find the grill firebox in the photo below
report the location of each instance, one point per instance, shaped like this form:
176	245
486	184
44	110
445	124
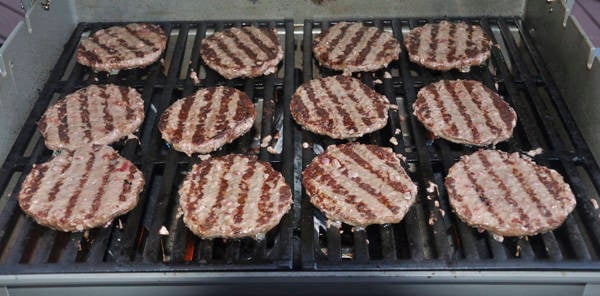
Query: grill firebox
429	238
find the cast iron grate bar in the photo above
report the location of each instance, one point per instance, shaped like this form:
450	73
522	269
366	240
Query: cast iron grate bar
132	242
444	241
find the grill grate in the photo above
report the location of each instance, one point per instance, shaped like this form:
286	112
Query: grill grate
132	242
429	238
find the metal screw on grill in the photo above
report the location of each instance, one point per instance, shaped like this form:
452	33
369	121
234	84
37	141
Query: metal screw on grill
45	4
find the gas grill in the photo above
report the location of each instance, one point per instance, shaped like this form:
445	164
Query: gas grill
430	246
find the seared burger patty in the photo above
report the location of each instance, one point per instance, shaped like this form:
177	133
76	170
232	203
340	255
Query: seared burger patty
447	46
359	185
233	196
508	195
242	52
339	106
97	114
122	47
79	190
465	111
354	47
207	120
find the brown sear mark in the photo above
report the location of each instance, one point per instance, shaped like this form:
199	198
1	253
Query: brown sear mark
63	127
318	172
488	120
446	117
85	116
264	210
347	120
462	109
434	42
129	112
182	119
334	41
112	166
346	84
244	189
211	219
451	56
523	217
199	132
223	47
481	193
269	51
83	179
197	188
241	45
503	108
35	185
365	51
56	188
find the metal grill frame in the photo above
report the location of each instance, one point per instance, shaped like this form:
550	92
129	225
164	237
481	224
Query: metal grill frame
426	247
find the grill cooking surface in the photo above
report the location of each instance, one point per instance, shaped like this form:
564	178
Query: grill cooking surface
430	237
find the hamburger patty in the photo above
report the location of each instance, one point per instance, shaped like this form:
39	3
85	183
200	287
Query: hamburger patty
207	120
97	114
447	46
79	190
339	107
242	52
233	196
508	195
122	47
354	47
465	111
359	185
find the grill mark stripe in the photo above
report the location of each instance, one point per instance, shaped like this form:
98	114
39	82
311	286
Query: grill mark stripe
95	40
210	54
182	117
347	84
63	127
271	35
127	184
249	172
240	45
197	188
99	196
90	55
415	41
108	118
366	187
265	212
85	116
322	114
480	192
139	37
199	132
123	43
479	103
390	165
451	56
351	45
338	51
363	163
462	110
334	41
211	219
129	112
507	193
33	188
525	185
339	106
446	117
348	198
226	51
362	54
551	184
434	42
82	181
470	50
505	113
387	46
223	112
56	188
269	51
